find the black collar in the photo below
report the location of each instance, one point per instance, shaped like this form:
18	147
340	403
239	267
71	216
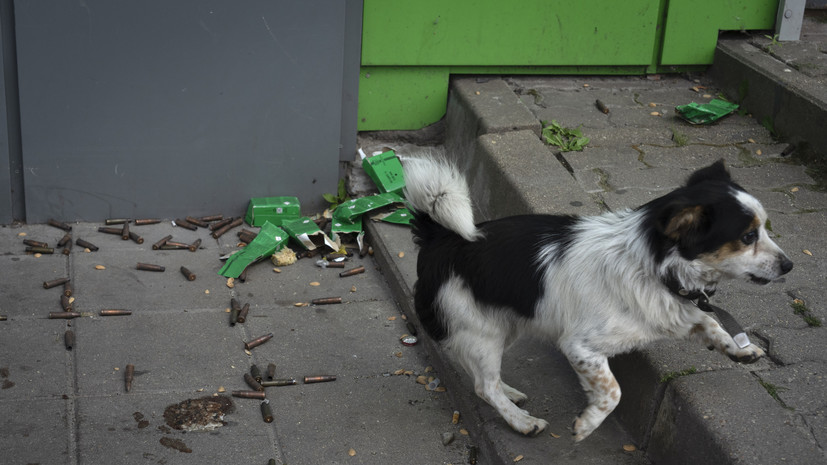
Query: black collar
678	289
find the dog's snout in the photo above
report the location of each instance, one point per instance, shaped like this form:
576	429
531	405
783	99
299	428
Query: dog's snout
786	265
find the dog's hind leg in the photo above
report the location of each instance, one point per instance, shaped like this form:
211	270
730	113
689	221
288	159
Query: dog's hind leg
481	354
600	385
513	394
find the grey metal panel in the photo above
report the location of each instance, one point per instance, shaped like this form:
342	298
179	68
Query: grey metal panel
5	171
158	108
350	81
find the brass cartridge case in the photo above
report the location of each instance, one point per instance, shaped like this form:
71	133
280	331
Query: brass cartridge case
319	379
196	222
246	237
125	231
67	248
149	267
353	271
220	224
256	373
41	250
111	221
68	289
163	241
280	382
250	394
243	276
235	308
106	230
211	218
115	312
242	314
86	245
66	303
146	221
258	341
128	376
271	371
601	106
254	385
69	339
59	225
326	301
266	411
185	224
54	283
220	232
136	238
188	274
194	246
35	243
63	315
172	245
66	239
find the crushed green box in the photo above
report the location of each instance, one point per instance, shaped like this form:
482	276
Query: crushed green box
386	171
276	210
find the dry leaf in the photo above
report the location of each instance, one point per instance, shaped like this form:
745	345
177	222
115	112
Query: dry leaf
758	152
429	369
654	113
37	255
206	291
399	372
71	300
100	267
391	318
421	379
409	372
277	270
707	96
351	452
353	289
463	431
585	85
751	140
87	250
807	252
226	310
221	389
199	390
117	368
798	302
653	104
315	283
794	189
477	93
230	282
398	354
440	389
629	447
400	254
518	458
21	234
247	352
555	436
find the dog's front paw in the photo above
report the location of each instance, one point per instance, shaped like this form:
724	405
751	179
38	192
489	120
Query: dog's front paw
528	425
749	354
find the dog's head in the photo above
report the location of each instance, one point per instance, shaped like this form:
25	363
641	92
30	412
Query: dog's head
715	221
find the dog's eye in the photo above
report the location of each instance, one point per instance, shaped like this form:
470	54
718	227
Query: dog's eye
750	237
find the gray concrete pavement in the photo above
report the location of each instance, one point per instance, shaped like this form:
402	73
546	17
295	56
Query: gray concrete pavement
63	406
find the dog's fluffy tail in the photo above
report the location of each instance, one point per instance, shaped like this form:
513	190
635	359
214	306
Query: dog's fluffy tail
437	189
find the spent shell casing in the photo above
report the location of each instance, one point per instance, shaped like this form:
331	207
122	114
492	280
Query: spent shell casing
69	339
271	462
111	221
258	341
280	382
40	250
271	371
67	248
211	218
3	318
319	379
601	106
128	376
266	411
243	276
146	221
194	246
54	283
220	224
59	225
353	271
135	237
149	267
125	231
250	394
63	315
163	241
107	230
35	243
242	314
334	265
196	221
66	239
113	312
86	245
254	385
172	245
472	455
185	224
188	274
326	301
235	307
68	289
455	417
255	372
220	232
66	303
246	237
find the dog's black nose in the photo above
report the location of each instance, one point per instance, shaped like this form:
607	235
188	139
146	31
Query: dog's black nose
786	265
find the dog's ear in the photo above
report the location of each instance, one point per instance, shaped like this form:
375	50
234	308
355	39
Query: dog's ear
686	225
714	172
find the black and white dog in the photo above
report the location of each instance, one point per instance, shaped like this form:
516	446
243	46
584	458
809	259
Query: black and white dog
596	286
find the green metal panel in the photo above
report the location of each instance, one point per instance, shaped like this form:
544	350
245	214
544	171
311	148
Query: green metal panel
692	26
401	97
495	32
